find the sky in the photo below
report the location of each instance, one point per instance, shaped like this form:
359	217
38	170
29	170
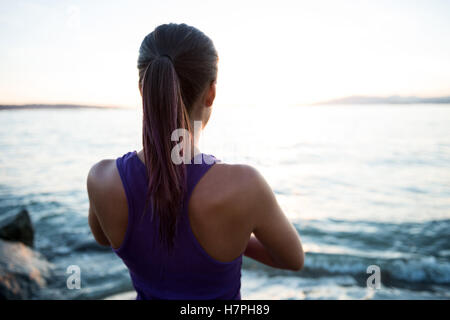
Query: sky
289	52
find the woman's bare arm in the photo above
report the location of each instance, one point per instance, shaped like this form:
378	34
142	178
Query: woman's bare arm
258	252
96	229
275	241
93	184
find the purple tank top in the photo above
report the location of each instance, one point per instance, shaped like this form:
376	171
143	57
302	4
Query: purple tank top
189	272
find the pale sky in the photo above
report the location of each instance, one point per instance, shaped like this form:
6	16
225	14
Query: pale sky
290	52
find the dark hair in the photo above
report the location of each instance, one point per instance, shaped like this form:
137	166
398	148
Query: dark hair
176	63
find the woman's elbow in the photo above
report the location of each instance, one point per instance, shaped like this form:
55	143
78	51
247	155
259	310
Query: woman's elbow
298	266
299	263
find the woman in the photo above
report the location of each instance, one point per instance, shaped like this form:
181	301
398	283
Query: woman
182	229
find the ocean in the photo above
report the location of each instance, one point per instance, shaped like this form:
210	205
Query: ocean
363	185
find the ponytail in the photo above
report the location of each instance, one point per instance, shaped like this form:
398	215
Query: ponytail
163	112
176	63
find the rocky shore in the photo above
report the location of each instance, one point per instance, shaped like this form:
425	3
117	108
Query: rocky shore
23	270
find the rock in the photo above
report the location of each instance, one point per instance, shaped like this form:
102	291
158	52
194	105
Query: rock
17	228
23	271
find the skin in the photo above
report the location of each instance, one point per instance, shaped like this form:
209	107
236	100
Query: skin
242	216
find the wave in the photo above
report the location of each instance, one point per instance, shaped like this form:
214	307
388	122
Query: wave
428	238
409	254
423	270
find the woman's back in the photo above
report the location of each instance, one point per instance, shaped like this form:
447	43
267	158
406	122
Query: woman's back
225	204
185	272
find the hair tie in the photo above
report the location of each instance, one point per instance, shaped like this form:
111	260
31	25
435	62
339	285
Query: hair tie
166	55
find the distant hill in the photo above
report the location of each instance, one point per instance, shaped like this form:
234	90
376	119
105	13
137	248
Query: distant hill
386	100
51	106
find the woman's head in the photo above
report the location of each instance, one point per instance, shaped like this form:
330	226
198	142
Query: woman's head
177	73
193	57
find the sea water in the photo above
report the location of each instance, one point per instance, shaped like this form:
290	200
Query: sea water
363	185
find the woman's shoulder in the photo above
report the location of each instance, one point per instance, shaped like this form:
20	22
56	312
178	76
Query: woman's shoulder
231	188
102	172
103	180
240	178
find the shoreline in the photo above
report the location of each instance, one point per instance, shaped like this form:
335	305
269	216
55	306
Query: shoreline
127	295
54	106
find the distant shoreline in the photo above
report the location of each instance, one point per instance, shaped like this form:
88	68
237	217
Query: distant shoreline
54	106
398	100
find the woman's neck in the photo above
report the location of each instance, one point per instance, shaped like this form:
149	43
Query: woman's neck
194	148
